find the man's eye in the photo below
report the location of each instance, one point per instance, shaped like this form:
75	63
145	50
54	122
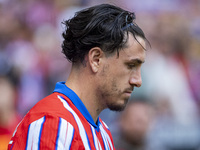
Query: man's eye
131	66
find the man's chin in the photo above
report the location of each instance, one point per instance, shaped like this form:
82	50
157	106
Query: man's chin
118	107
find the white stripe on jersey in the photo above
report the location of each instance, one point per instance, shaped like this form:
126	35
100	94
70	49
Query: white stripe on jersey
105	125
106	138
66	133
34	134
96	140
78	121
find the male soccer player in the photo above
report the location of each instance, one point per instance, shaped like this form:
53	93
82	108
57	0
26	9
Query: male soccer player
106	49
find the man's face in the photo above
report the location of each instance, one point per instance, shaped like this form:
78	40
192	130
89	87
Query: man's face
119	75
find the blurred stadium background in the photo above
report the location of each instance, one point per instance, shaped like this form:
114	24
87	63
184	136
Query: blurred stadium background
31	63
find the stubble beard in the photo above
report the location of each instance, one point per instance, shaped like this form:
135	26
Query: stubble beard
108	94
117	107
111	101
117	93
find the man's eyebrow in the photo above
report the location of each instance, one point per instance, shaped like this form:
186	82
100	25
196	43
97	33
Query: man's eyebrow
139	61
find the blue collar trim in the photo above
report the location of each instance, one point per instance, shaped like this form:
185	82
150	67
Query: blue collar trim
63	89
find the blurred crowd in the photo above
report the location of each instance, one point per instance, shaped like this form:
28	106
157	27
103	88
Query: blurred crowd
162	115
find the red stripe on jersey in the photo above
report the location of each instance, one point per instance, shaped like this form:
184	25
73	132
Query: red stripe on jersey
49	132
100	139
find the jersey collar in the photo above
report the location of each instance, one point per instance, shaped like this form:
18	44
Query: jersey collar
63	89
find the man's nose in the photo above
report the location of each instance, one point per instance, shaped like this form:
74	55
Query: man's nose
136	79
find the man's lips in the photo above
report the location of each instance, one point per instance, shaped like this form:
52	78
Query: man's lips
128	91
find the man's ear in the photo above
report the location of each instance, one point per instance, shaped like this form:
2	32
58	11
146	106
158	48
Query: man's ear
95	56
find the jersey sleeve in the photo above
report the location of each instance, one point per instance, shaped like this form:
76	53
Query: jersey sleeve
47	132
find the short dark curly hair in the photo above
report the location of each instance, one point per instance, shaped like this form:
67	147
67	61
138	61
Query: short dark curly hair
101	26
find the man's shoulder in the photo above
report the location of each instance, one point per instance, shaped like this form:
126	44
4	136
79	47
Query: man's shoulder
48	104
51	106
49	110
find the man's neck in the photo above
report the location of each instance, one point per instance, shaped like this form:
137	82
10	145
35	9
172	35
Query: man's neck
82	86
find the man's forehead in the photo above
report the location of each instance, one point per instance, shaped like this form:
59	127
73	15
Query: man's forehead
135	46
137	40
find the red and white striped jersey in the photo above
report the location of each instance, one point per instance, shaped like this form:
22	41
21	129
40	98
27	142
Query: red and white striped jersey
61	122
